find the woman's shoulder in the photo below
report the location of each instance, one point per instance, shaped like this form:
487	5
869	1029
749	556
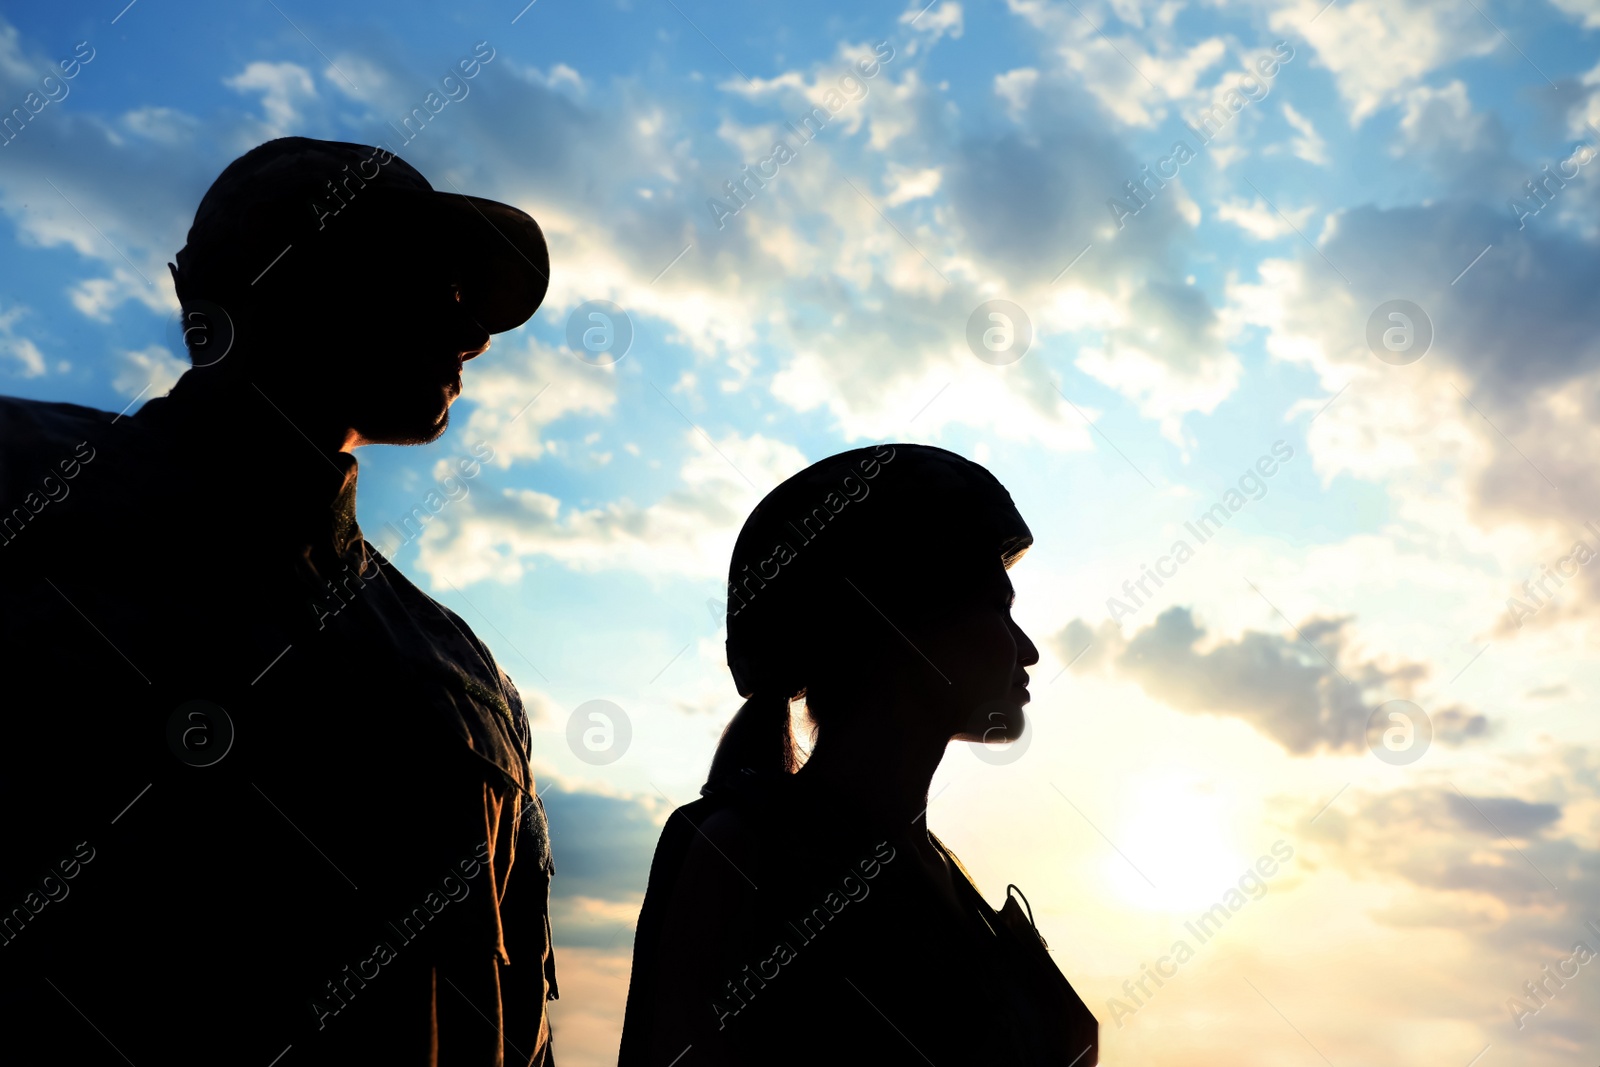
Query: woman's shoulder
721	842
712	849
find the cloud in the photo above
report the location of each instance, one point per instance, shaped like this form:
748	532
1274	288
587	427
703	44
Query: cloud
1028	200
162	125
854	321
1539	881
1494	816
1308	695
1309	146
935	21
1435	871
601	844
688	531
1468	149
1015	87
19	350
147	372
1258	219
1585	12
119	191
1494	424
908	185
1378	49
520	386
287	93
1134	77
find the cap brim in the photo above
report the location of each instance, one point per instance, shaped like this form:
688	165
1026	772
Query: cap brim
502	255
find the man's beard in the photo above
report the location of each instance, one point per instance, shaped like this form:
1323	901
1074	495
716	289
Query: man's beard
390	426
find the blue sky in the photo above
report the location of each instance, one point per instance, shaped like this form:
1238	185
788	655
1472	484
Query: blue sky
1379	162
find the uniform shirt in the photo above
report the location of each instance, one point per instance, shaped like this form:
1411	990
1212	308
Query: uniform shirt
831	944
265	797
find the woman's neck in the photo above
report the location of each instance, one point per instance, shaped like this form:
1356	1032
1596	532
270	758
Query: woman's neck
881	778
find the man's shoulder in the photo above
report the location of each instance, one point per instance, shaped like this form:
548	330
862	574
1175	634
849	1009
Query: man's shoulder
44	444
484	681
23	421
420	600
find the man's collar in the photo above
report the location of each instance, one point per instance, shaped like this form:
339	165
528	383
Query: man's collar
248	453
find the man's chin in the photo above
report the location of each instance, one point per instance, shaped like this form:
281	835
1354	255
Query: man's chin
418	431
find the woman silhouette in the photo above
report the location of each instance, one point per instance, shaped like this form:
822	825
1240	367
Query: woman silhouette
806	914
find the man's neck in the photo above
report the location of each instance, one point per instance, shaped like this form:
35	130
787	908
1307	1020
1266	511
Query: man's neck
228	401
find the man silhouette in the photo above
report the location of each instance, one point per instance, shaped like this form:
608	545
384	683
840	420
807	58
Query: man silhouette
263	795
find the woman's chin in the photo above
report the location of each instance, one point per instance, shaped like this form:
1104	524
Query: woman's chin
997	722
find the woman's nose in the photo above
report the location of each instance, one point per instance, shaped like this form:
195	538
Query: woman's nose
1027	652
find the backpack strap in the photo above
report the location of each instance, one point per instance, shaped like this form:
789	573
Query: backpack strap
1070	1028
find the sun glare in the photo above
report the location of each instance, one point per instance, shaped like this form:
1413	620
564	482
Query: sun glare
1178	849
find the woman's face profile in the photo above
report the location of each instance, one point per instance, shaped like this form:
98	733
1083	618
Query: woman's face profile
984	654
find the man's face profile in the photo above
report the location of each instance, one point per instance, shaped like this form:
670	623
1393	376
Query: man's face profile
377	329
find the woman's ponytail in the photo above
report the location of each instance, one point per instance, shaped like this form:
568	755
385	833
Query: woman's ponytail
759	739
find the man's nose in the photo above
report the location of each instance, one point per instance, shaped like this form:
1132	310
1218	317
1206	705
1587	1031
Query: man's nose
474	339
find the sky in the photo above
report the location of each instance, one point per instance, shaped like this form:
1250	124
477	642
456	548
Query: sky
1341	346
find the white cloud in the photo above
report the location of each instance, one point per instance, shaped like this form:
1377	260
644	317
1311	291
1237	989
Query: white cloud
1487	436
1145	374
163	125
936	20
1016	87
360	78
1309	146
286	89
689	531
838	85
556	77
20	350
99	297
147	372
1016	402
907	184
1378	49
1434	117
119	190
1257	218
1586	12
521	386
1136	77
